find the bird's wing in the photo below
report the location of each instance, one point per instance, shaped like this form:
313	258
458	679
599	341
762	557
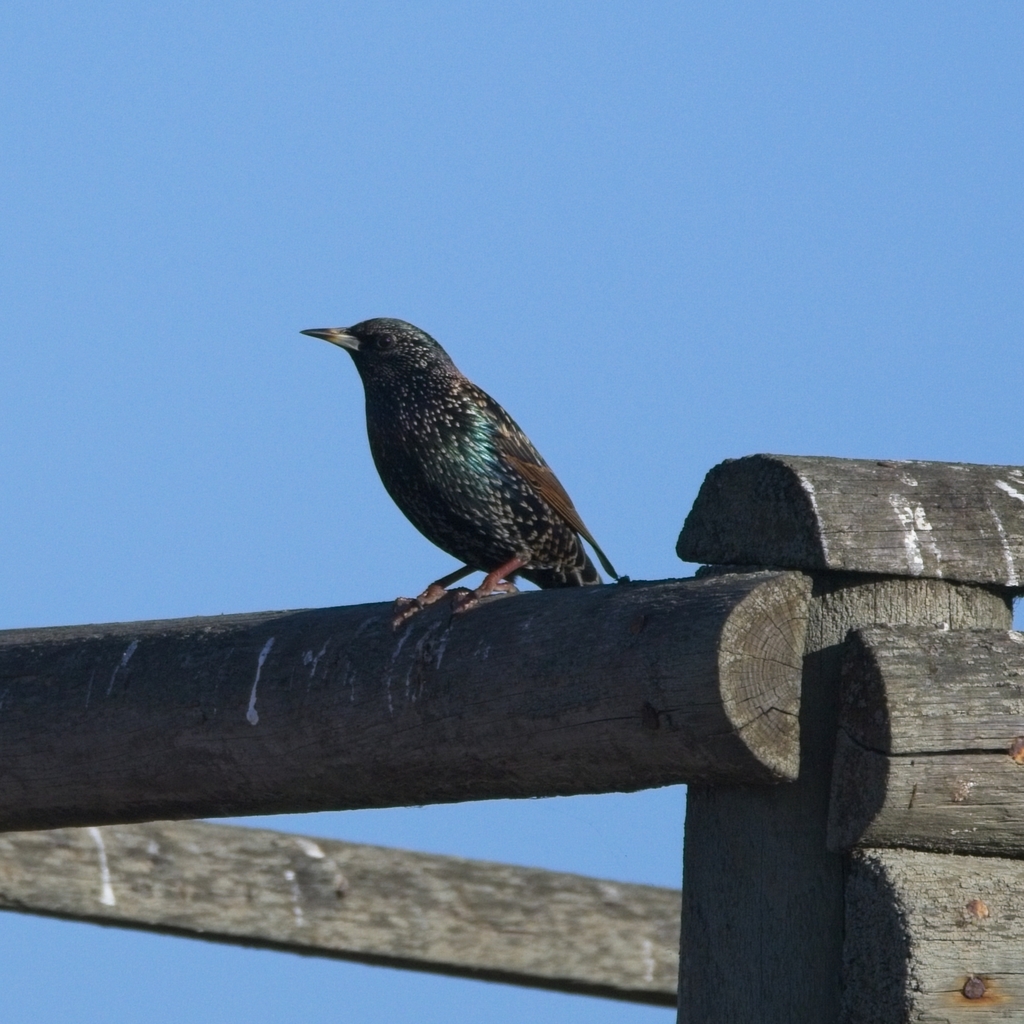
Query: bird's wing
515	448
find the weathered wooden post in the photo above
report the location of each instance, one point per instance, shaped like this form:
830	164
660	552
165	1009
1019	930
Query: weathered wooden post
930	763
779	925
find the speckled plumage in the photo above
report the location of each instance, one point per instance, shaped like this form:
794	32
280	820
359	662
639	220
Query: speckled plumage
458	465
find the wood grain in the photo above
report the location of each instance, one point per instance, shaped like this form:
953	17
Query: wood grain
321	897
942	520
598	689
933	937
931	746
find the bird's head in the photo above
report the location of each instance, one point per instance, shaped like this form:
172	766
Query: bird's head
386	345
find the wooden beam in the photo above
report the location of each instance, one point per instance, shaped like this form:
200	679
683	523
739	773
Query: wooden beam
942	520
933	937
931	743
763	896
598	689
376	905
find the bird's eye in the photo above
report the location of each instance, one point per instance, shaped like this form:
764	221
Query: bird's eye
385	341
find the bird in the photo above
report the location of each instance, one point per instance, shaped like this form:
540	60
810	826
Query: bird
462	470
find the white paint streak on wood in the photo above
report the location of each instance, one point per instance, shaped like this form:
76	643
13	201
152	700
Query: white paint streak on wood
921	523
441	645
1011	491
106	889
391	665
649	962
125	658
906	514
309	848
316	660
809	491
1012	579
251	715
289	877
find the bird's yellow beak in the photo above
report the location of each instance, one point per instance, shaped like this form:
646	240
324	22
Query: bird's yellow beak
336	336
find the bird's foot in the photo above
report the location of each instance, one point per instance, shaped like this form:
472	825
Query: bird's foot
464	600
407	607
493	583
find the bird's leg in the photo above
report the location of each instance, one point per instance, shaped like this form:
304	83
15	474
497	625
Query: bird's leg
407	607
493	582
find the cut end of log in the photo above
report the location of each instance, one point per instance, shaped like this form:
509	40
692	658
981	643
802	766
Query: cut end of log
760	667
753	511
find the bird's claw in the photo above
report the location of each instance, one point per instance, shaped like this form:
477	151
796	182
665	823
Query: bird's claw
464	602
406	607
469	599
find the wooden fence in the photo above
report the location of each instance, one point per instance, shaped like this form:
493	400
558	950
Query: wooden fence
840	688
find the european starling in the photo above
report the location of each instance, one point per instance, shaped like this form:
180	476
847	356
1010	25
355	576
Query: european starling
461	469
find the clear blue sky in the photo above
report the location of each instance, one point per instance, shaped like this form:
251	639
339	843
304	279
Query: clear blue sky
661	234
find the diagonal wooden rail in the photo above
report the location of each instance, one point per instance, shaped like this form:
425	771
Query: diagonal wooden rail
602	689
319	897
